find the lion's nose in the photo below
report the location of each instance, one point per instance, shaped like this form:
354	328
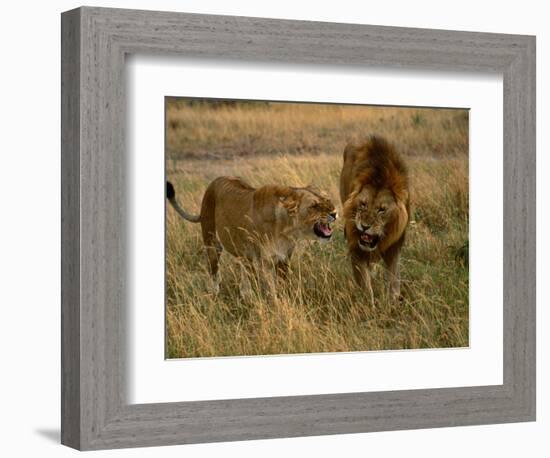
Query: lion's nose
333	215
365	227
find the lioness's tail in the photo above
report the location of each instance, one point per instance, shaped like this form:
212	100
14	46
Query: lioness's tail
171	196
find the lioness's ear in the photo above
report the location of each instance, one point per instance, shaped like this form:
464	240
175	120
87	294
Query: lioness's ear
312	187
290	203
316	190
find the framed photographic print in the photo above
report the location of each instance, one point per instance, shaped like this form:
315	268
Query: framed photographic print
286	228
266	179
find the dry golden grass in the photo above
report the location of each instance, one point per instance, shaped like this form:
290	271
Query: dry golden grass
320	309
245	130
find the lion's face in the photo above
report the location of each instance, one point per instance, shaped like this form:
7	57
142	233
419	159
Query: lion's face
314	214
373	212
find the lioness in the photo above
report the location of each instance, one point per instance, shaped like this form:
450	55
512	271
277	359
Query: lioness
259	225
374	190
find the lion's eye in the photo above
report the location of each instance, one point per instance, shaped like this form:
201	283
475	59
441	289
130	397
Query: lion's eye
363	205
381	209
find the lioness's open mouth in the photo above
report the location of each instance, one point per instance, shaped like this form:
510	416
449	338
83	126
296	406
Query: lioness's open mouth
369	240
323	230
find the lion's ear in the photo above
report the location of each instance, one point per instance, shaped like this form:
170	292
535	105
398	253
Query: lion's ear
402	195
349	205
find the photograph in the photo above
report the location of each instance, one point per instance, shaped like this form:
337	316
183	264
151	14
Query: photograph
277	228
295	228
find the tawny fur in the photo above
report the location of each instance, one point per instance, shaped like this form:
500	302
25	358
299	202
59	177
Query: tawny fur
374	190
259	225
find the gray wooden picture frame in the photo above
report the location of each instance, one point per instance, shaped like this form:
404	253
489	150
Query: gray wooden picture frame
95	412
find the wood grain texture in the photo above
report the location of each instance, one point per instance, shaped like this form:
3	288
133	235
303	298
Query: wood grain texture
70	229
95	411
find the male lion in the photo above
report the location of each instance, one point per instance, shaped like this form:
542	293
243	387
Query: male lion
260	226
375	195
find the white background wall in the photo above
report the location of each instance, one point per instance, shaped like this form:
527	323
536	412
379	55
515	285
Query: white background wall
30	245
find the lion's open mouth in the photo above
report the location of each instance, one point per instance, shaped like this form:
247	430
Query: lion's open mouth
369	240
323	230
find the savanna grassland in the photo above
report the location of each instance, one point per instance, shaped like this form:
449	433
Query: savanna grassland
320	309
